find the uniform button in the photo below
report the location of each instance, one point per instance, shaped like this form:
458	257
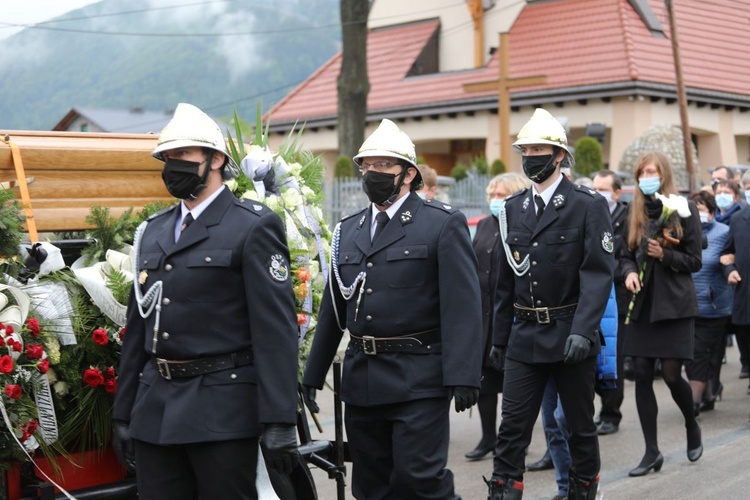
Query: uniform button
533	263
489	250
233	376
168	267
562	237
406	252
165	301
369	265
539	302
368	318
165	336
140	375
535	244
145	262
486	272
208	259
535	283
369	291
515	239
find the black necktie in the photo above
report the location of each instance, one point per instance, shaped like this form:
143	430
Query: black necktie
381	220
186	222
540	206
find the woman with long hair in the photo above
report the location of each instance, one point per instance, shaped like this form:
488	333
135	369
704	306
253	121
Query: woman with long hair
663	250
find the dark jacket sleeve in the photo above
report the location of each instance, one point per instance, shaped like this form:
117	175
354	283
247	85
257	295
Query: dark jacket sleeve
132	359
687	257
327	335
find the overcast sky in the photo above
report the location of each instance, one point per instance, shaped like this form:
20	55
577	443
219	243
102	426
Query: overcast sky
33	11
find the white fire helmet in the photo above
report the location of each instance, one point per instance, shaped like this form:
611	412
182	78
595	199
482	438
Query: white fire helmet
191	127
542	128
389	140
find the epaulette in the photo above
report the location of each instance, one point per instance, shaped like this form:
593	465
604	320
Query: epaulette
439	204
162	212
353	214
585	189
253	206
517	193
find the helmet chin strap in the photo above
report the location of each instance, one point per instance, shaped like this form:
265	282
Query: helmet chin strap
204	177
549	168
397	189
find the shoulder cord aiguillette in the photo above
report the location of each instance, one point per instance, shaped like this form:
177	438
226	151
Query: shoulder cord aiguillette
519	268
346	291
151	300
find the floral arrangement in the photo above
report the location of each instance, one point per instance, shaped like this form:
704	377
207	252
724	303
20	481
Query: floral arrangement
660	229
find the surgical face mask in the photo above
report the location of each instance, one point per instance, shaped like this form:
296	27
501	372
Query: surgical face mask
747	195
607	196
649	185
182	179
538	168
724	200
495	205
379	187
422	195
703	216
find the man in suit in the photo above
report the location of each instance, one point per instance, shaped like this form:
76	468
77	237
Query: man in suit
555	274
209	360
609	185
404	283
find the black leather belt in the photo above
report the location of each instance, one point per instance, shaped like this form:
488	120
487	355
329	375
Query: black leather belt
412	342
544	315
170	369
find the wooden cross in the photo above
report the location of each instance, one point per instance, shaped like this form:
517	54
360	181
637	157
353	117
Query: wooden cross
503	85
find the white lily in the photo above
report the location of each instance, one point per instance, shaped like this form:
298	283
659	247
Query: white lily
675	203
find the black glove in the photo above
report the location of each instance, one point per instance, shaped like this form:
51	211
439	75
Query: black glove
280	447
497	357
464	397
123	445
577	347
308	396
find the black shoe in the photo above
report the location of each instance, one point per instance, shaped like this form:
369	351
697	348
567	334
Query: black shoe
480	451
545	463
745	372
607	428
642	470
695	443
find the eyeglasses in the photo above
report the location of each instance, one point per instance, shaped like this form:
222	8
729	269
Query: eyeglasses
379	166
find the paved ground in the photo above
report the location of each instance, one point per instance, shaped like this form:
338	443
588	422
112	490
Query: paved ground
722	472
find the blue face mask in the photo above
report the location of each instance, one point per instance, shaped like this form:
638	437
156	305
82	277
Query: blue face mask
724	200
495	206
649	185
421	195
747	195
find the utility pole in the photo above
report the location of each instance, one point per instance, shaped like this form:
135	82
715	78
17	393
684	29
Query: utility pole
353	83
681	98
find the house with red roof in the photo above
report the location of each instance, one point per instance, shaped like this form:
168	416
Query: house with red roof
608	66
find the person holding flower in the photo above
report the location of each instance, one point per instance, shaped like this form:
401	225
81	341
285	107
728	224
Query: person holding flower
209	358
663	250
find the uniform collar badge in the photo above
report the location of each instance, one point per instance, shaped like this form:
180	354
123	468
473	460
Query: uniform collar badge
258	208
558	200
406	217
362	220
447	207
526	203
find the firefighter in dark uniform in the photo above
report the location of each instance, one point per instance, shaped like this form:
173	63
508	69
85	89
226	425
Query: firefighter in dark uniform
209	360
555	275
409	295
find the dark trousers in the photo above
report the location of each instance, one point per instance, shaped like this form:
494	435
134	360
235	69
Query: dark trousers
522	397
400	450
205	471
612	398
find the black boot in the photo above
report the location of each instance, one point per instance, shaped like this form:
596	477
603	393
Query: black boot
504	489
582	489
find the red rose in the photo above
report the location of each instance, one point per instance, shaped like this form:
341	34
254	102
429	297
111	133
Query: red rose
33	326
34	351
2	341
109	372
122	332
6	364
100	336
110	386
9	329
43	366
15	345
13	391
93	377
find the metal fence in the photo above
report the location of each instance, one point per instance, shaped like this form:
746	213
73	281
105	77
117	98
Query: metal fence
344	195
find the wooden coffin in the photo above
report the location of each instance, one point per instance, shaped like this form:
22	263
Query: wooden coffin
74	171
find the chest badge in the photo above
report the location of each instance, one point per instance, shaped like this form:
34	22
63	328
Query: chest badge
517	256
278	268
608	242
406	217
142	277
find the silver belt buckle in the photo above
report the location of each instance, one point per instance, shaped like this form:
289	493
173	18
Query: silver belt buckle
163	366
368	345
542	315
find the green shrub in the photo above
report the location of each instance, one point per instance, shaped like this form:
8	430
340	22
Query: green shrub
480	164
498	167
344	167
459	172
588	156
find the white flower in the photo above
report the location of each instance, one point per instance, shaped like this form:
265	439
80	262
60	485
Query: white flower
307	192
292	198
61	388
231	184
296	169
314	268
675	203
251	195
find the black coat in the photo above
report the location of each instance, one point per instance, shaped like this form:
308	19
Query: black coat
619	222
486	241
421	274
219	297
571	262
673	293
738	244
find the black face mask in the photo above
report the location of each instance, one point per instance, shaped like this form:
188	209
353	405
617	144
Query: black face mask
182	180
379	187
538	168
